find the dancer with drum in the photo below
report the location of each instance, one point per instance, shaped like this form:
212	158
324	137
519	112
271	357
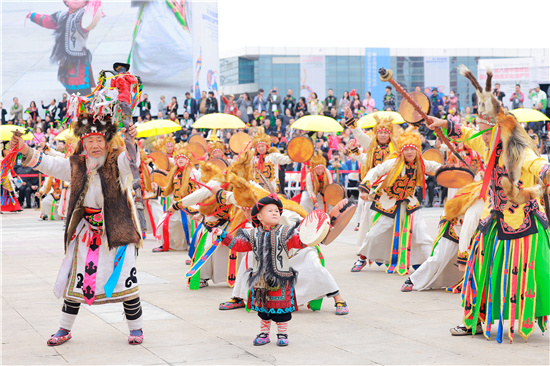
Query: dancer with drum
211	211
163	153
508	269
51	193
266	160
182	180
398	234
216	154
376	151
317	180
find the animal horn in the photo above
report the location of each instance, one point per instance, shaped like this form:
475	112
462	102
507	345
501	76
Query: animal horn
489	80
464	71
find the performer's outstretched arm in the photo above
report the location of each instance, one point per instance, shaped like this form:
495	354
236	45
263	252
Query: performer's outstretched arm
43	20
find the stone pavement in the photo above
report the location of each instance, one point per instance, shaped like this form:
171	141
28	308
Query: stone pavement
385	326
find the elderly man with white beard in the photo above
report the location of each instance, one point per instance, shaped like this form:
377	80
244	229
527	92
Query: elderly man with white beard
102	234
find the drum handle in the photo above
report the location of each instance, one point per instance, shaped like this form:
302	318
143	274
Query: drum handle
387	75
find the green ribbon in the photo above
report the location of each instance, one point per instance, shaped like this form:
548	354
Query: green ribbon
468	139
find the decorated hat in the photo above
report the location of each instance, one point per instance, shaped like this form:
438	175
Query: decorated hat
160	144
383	124
181	150
261	138
86	126
409	139
118	65
267	200
215	145
317	159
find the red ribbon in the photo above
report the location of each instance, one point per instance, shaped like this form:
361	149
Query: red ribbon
166	233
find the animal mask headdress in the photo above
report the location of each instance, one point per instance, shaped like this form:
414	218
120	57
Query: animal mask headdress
488	105
515	141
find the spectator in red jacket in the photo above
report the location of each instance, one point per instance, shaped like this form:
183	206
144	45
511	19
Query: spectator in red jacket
230	104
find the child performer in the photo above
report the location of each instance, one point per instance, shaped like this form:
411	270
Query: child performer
271	279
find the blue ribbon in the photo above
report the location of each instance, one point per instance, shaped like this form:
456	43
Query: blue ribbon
113	280
192	245
185	225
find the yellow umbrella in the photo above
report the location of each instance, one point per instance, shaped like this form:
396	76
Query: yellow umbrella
529	115
157	127
62	136
317	123
368	121
217	121
6	132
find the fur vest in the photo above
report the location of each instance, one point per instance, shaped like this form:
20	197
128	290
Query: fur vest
271	256
118	213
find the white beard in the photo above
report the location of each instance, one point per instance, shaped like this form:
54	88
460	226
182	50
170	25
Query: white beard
93	164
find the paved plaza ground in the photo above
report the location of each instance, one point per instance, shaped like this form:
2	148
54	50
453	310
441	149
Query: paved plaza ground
384	326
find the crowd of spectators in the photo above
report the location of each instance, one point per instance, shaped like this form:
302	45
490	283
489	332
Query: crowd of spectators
277	113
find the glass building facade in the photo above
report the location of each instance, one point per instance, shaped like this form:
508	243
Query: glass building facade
343	72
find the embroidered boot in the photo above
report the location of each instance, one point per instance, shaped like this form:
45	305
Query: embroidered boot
359	264
62	336
135	337
341	308
282	340
407	286
234	303
261	339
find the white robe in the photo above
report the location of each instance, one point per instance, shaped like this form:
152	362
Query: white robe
68	282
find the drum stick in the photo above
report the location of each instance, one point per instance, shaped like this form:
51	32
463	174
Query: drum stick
387	75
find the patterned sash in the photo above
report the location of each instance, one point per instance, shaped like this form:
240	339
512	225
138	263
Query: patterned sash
94	217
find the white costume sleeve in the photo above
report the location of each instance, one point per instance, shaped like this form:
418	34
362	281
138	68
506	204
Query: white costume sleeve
431	166
199	195
54	166
379	170
278	158
55	153
361	158
362	138
329	174
309	184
